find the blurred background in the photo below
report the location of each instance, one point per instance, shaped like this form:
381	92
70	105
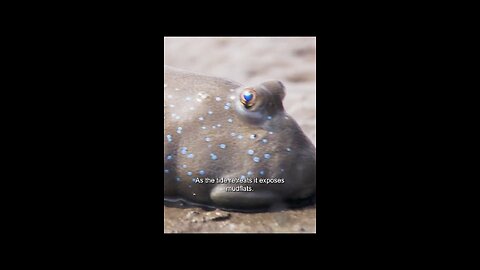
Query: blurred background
252	61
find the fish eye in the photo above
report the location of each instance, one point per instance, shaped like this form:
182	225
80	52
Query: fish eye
248	97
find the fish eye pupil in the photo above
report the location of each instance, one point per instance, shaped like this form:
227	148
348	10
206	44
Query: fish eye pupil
248	96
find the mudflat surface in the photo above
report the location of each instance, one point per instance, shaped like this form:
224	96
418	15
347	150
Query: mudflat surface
198	220
250	61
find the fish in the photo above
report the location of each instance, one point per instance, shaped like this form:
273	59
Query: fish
233	146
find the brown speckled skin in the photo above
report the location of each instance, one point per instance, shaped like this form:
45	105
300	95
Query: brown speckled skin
188	99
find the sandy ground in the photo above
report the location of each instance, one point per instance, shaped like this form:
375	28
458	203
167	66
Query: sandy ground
251	61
